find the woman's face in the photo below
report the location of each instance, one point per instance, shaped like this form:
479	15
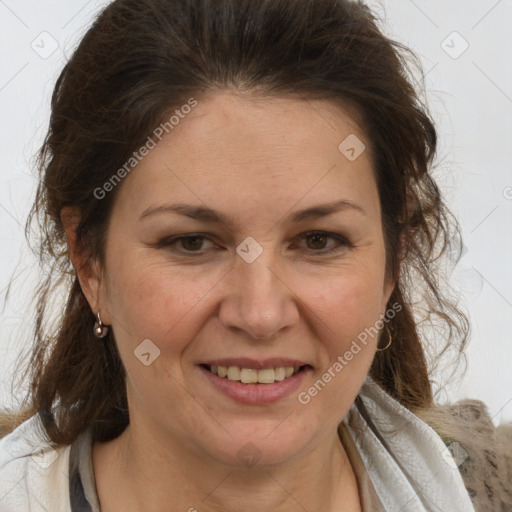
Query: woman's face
249	293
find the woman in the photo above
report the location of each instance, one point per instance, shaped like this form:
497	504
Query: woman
237	196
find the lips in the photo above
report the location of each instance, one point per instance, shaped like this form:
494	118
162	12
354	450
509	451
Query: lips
252	381
253	393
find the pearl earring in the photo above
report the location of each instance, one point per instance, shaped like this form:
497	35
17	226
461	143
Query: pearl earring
100	330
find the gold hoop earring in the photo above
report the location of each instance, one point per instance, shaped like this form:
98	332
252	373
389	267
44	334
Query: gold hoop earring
100	330
390	339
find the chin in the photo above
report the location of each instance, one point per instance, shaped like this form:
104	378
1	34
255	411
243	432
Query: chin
259	449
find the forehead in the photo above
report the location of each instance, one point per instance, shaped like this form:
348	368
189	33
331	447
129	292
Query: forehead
254	151
232	123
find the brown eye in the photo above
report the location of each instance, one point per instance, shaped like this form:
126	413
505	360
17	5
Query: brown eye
192	243
319	240
188	244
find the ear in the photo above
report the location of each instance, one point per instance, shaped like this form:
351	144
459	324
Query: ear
88	271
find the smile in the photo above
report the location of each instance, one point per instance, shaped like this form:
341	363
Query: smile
253	386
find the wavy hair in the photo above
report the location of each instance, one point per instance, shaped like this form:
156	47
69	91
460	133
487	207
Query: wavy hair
140	60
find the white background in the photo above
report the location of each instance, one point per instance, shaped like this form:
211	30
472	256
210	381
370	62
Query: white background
469	94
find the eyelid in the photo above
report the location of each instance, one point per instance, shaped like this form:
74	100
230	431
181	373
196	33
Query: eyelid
173	239
342	241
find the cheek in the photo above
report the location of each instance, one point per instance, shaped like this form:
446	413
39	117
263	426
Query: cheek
155	302
351	308
351	302
148	303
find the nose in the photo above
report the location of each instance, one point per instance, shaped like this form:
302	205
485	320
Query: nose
257	299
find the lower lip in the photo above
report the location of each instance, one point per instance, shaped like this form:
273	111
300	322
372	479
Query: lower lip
256	393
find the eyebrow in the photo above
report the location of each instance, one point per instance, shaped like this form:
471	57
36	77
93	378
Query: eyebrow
206	214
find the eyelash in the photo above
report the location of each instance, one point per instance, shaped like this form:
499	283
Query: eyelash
342	241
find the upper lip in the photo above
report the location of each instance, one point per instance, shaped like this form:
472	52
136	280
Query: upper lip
245	362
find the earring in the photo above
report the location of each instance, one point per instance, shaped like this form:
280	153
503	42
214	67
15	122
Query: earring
100	330
390	339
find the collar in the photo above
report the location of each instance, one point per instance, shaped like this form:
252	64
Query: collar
410	467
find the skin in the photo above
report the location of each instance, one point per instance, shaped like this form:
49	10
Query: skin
257	161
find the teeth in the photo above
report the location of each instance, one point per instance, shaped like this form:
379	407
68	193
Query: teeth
234	373
279	373
252	376
266	376
248	376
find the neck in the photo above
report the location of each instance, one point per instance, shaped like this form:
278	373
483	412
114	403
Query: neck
140	472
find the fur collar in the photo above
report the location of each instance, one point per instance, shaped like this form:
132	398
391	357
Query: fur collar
482	451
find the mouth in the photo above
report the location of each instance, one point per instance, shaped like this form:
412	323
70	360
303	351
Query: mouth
243	375
254	381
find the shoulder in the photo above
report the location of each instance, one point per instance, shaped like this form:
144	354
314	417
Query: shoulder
481	451
34	475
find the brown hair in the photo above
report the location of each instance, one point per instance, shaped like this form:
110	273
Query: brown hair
142	59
